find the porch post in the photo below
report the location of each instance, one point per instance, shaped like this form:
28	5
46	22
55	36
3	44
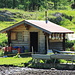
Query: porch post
45	45
47	39
46	42
64	41
9	37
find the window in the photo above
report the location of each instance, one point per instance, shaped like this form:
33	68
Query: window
19	36
13	36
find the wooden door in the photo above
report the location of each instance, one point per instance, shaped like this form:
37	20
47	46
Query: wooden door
34	41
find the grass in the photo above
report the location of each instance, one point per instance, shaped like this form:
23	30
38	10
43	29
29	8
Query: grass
14	61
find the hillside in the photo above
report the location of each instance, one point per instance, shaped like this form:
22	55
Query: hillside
8	17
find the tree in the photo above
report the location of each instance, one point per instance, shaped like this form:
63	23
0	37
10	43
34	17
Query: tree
34	4
2	3
59	3
73	5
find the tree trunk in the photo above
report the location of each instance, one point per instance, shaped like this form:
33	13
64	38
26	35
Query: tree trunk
74	1
6	3
13	4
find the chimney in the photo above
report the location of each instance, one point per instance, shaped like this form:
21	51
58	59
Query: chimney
46	18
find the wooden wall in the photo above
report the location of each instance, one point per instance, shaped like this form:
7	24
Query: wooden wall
26	37
56	44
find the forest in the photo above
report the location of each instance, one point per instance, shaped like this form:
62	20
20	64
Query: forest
31	5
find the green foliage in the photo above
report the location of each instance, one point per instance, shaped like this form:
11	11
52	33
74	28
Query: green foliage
17	56
31	5
69	44
56	20
66	22
21	7
1	53
3	41
63	61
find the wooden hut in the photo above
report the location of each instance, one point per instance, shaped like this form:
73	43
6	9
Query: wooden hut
36	34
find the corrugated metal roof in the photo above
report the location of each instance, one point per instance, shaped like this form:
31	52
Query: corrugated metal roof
48	27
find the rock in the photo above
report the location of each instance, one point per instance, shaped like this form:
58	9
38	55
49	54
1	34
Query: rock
6	16
57	14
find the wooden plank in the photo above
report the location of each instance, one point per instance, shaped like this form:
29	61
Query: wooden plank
13	36
15	25
40	56
19	53
9	37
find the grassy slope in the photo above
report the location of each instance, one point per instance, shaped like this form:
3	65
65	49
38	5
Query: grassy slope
68	24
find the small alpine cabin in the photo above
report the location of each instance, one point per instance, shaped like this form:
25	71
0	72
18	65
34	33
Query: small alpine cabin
37	34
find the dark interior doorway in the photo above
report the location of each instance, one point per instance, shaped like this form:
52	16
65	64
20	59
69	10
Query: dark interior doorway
34	41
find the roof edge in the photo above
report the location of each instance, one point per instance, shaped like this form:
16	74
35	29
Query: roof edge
10	27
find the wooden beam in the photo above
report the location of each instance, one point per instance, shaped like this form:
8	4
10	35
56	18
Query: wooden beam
46	34
26	26
64	41
9	37
47	43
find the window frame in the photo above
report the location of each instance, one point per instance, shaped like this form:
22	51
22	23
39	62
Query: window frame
19	35
15	35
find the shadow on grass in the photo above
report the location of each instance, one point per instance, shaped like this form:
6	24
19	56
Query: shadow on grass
50	64
8	65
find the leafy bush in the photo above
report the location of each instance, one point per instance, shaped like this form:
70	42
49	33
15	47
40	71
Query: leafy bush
3	40
67	17
1	53
69	44
66	22
56	20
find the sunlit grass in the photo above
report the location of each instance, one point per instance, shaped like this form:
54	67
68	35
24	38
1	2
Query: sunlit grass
14	61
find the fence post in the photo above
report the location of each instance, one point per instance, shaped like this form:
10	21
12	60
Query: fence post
32	49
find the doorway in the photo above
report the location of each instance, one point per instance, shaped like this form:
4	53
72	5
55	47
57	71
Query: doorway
34	41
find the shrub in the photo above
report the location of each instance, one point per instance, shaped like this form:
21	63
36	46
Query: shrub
56	20
1	53
69	44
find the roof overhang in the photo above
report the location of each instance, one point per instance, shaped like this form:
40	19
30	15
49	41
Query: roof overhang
11	27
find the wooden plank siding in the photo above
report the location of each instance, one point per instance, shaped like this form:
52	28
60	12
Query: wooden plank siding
56	45
26	37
